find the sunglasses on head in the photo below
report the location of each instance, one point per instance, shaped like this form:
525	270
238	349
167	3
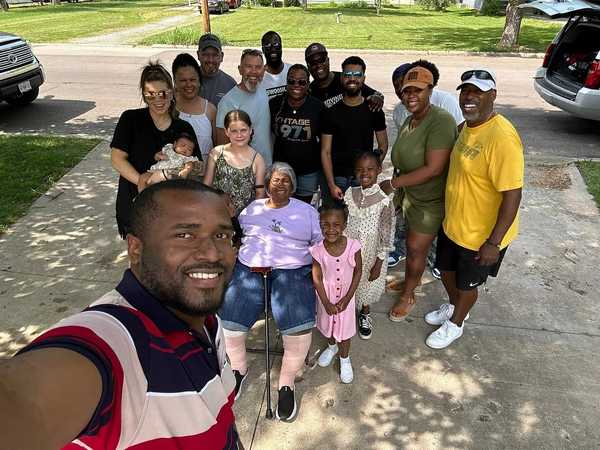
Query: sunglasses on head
292	82
479	74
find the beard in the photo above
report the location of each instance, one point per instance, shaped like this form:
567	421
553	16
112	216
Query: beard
352	91
171	290
273	61
251	87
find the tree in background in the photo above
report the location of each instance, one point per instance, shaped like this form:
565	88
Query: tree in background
4	5
438	5
512	25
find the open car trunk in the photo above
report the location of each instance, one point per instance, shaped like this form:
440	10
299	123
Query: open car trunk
573	57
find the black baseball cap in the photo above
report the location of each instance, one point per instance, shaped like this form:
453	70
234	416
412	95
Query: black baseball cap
209	40
314	49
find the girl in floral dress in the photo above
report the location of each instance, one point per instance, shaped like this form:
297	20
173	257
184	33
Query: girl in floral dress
336	270
371	221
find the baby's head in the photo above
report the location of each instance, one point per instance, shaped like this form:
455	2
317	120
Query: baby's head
333	217
184	144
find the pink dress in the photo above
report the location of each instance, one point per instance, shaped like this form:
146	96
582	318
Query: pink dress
337	277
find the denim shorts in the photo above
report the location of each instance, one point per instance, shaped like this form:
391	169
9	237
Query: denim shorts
307	184
293	299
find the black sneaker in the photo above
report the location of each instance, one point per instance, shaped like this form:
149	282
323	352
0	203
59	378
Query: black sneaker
239	381
365	326
286	406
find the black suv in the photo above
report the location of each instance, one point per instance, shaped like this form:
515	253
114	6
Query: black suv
21	74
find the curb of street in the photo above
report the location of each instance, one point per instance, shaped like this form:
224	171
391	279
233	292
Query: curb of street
333	50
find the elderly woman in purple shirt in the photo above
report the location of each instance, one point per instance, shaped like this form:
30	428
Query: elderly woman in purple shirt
278	231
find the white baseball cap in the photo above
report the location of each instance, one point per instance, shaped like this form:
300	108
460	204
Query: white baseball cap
484	79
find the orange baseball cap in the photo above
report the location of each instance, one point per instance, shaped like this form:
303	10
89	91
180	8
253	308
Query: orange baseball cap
418	77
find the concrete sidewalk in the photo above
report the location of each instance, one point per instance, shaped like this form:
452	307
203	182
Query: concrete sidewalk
524	374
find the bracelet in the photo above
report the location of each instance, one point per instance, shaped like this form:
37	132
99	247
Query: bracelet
487	241
259	186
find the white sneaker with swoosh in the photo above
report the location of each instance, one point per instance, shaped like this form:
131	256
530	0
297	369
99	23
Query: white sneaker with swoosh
444	335
439	316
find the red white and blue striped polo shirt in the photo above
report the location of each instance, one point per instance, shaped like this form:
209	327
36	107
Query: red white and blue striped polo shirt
164	386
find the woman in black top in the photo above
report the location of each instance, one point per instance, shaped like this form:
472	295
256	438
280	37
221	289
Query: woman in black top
296	123
140	134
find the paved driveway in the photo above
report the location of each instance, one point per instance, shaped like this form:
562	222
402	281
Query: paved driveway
88	87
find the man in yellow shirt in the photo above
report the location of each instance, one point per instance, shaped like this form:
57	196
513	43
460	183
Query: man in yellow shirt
483	193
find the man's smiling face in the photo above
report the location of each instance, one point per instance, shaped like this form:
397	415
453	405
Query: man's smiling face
185	256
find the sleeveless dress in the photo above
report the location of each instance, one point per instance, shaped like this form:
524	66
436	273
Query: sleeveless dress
238	183
337	278
202	128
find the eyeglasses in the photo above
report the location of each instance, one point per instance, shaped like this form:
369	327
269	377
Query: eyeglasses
352	74
274	46
321	59
479	74
293	82
154	96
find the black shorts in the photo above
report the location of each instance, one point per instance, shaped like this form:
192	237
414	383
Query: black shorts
451	257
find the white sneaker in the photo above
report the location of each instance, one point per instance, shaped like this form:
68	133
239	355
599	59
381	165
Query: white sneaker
439	316
346	372
444	335
327	355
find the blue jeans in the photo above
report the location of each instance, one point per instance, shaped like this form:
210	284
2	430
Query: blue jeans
293	299
307	184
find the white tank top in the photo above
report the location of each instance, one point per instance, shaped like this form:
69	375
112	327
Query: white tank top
203	129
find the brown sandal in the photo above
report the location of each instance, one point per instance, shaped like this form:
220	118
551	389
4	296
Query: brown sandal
401	309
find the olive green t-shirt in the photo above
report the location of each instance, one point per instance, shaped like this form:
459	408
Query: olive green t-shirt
436	132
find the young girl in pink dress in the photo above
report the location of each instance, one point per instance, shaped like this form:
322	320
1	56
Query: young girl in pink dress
336	270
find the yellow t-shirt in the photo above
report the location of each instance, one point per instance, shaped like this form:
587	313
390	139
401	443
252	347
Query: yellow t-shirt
485	161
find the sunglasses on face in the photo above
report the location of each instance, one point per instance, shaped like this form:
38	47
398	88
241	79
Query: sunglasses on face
479	74
293	82
351	74
274	46
154	96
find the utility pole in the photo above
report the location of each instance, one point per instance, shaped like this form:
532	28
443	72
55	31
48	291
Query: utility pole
205	15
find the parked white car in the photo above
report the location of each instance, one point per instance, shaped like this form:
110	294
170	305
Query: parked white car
570	74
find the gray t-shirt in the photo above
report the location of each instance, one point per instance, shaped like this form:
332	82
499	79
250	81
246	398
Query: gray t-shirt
257	106
215	87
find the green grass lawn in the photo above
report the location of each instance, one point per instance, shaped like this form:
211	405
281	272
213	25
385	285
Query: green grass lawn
591	174
29	165
397	28
74	20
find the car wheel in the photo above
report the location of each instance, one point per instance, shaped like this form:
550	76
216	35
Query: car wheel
24	99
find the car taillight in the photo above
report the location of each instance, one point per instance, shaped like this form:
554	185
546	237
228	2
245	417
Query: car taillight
592	80
548	54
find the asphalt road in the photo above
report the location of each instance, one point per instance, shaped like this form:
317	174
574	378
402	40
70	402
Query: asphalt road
88	87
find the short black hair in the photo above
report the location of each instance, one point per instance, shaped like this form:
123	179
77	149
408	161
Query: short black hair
356	60
268	35
186	60
429	66
301	67
334	205
146	207
365	154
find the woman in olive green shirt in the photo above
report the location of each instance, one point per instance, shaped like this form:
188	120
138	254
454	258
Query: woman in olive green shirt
420	157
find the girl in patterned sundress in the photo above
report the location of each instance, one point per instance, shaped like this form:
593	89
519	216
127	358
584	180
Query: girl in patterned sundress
236	168
372	223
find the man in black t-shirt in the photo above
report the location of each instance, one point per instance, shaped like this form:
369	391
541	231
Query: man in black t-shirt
327	85
348	128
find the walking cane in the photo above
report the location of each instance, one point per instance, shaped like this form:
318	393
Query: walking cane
265	271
